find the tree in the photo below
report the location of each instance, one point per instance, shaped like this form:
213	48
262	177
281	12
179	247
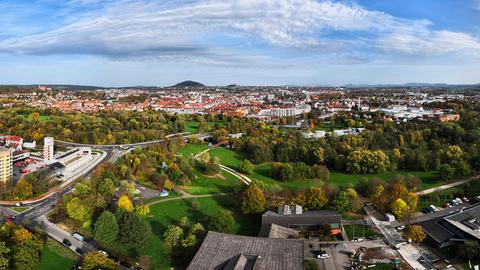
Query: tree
79	210
26	249
247	166
341	202
368	161
399	208
472	249
189	241
4	258
316	198
415	233
223	222
142	209
168	185
95	261
134	230
173	234
253	201
106	228
447	172
23	189
125	203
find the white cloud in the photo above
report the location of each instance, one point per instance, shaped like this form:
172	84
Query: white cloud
136	29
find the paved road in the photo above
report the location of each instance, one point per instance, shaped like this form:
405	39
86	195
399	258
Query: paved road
447	186
186	135
408	251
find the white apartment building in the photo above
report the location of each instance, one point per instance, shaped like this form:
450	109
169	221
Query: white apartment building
48	144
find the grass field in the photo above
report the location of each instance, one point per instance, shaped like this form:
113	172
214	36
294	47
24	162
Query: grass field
192	126
262	171
192	149
56	256
203	184
171	212
42	118
359	231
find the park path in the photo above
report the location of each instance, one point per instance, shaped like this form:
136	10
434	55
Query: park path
185	195
447	186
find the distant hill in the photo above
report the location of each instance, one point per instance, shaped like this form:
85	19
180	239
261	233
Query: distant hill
189	84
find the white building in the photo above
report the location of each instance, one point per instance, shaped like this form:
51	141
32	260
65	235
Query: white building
48	144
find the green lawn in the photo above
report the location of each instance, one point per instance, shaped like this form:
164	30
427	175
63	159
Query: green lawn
56	256
171	212
261	172
430	178
328	126
211	185
42	118
358	231
19	209
192	126
192	149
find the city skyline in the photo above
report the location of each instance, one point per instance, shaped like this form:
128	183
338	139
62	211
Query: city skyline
291	42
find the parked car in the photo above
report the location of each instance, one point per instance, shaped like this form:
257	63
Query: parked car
78	236
465	199
433	208
66	242
104	253
79	251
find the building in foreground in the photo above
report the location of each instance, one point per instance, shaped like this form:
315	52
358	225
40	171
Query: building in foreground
294	217
454	228
231	252
6	165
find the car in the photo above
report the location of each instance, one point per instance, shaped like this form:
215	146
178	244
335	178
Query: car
400	227
458	200
465	199
433	208
78	236
104	253
66	242
79	251
426	210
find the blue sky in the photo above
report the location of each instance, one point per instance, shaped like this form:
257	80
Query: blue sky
248	42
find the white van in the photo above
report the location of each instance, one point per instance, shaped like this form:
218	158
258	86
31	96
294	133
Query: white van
78	236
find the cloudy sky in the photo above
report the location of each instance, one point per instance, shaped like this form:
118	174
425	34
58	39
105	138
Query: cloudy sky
248	42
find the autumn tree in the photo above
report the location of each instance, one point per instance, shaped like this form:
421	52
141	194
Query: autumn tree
415	233
253	200
125	203
95	261
399	208
79	210
247	166
316	198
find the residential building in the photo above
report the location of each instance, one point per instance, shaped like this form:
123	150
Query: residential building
48	145
6	165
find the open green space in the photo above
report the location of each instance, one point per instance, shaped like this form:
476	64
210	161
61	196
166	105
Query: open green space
203	184
192	149
19	209
164	214
359	231
329	126
171	195
56	256
192	126
261	172
42	118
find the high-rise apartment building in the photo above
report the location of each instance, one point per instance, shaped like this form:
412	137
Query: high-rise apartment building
48	144
6	166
